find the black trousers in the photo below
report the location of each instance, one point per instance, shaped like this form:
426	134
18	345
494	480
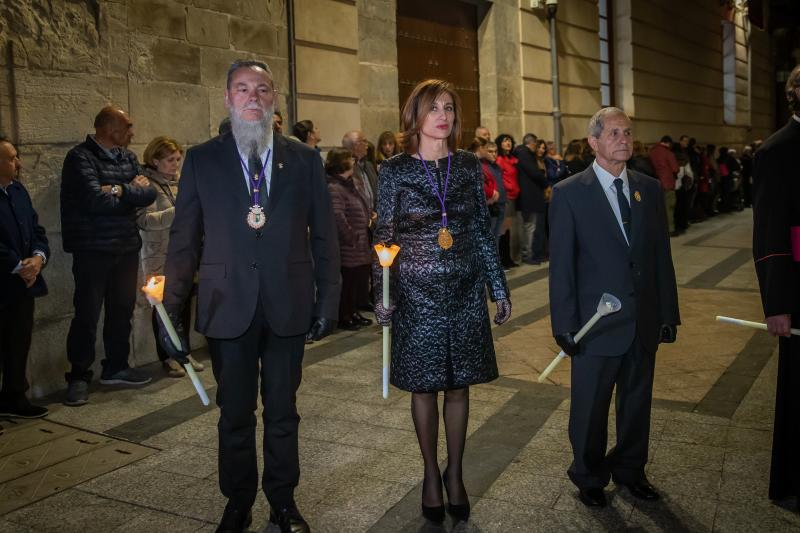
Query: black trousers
237	364
784	476
355	290
16	326
101	281
593	381
539	239
682	206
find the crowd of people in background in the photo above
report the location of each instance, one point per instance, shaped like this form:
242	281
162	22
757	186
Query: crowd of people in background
698	181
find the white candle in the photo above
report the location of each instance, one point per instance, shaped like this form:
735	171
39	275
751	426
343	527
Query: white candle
154	291
386	335
747	323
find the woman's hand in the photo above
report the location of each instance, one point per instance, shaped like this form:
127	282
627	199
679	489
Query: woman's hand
383	315
503	311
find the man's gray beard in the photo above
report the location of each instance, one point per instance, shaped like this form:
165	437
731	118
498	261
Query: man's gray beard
252	137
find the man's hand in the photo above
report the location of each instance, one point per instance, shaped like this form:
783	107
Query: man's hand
495	197
320	328
383	315
669	332
566	341
109	189
179	354
503	311
779	325
30	269
141	181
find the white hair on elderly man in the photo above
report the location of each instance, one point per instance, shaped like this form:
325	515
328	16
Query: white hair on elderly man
598	120
253	135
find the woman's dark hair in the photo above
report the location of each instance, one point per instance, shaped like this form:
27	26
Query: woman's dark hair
417	107
499	142
574	150
539	143
338	161
382	139
476	143
302	129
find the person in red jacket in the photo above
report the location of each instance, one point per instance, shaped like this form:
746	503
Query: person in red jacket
666	166
508	163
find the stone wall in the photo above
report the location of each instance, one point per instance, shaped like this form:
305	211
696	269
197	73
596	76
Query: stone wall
162	60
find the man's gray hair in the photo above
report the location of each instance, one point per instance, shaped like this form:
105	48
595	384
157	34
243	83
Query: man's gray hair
598	120
246	63
529	138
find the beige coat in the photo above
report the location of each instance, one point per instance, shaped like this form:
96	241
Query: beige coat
154	222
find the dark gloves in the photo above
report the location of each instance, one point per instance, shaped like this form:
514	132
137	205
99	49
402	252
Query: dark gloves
383	315
669	332
321	327
503	311
567	343
179	354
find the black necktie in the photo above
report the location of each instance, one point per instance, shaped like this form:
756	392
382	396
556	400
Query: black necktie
255	167
624	208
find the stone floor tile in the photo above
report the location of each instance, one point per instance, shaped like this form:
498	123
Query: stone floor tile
740	438
552	463
675	512
694	433
525	488
756	517
685	482
747	462
682	455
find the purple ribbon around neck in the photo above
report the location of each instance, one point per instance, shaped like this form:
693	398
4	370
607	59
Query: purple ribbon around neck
256	182
441	197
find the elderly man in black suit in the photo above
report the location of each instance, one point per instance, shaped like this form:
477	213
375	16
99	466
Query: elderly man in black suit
253	215
23	254
610	235
776	251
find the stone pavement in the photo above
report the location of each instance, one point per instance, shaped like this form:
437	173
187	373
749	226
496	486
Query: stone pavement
361	470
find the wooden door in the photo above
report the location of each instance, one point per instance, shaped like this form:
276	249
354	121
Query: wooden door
439	39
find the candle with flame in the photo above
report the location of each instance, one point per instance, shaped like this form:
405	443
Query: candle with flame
154	291
386	255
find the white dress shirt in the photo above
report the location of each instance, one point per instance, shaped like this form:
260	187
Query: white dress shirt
606	180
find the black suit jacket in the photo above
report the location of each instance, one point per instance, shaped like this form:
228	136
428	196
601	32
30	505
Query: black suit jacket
281	263
589	256
20	235
776	210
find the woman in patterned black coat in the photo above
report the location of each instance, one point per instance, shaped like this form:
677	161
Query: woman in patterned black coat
431	203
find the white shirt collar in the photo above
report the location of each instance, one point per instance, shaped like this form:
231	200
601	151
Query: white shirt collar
796	117
607	178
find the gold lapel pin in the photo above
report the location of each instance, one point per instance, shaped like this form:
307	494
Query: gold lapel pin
637	196
280	165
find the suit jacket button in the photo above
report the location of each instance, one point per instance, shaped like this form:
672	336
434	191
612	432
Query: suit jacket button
258	235
254	265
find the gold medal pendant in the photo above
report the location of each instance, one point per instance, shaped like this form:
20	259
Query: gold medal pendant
445	239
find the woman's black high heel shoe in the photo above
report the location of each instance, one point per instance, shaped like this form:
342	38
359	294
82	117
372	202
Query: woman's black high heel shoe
434	514
459	512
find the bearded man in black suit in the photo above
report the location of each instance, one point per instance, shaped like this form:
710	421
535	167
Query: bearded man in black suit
254	219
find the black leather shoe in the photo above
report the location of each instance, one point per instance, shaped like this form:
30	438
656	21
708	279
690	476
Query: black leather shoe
361	320
348	325
642	490
235	520
289	520
592	497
